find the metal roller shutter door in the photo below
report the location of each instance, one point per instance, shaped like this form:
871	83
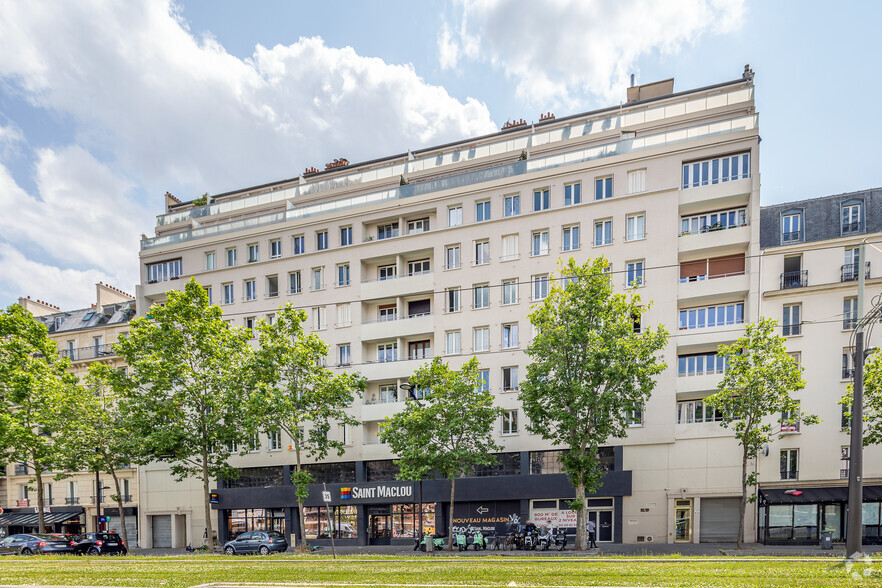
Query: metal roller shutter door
132	530
162	531
719	520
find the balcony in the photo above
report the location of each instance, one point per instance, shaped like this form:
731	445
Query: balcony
400	327
390	370
797	279
715	196
72	500
788	428
398	286
849	272
85	353
21	470
716	242
789	475
716	289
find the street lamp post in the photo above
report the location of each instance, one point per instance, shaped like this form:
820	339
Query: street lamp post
854	528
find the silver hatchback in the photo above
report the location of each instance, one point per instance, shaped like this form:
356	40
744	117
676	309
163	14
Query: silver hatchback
262	542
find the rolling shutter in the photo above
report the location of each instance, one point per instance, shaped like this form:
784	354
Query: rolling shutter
162	531
719	520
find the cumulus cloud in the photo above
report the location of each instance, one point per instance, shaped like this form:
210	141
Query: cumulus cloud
559	50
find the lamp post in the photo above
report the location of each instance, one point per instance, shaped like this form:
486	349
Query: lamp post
854	528
408	389
99	490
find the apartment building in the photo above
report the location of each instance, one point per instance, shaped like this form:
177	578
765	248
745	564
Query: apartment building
810	284
77	503
442	252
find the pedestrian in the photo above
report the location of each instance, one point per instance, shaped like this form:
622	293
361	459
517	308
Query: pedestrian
592	528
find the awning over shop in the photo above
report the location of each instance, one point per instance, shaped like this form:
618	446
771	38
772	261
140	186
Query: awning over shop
820	495
31	519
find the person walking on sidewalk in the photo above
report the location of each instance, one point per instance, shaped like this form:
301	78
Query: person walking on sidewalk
592	528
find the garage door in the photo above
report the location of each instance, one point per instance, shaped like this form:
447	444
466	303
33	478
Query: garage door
719	520
131	530
162	531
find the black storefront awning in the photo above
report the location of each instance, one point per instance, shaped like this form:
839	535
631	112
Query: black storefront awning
818	495
31	519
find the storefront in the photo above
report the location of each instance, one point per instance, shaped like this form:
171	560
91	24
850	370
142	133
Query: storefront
56	519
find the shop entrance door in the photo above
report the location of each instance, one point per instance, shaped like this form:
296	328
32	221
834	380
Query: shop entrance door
603	521
833	521
380	530
683	521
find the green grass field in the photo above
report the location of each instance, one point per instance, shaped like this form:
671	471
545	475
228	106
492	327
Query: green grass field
424	571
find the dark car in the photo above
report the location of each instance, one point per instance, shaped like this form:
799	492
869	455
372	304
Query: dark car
262	542
35	543
101	543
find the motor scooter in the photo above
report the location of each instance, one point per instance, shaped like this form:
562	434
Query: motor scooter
478	541
461	542
437	543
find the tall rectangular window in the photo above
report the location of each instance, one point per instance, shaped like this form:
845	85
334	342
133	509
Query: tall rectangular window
851	218
481	296
509	248
789	464
275	248
636	181
509	379
484	376
510	422
452	257
210	261
343	274
344	315
452	300
344	354
208	291
387	312
420	225
541	200
510	292
635	273
570	238
454	216
387	231
603	188
849	313
573	194
298	245
791	320
482	211
453	342
228	294
253	253
540	243
275	440
387	352
319	318
790	228
272	286
345	236
321	240
512	205
635	227
602	232
540	287
317	279
509	336
231	257
482	252
294	285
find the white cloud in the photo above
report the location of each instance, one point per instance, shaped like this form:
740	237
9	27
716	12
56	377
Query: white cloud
559	50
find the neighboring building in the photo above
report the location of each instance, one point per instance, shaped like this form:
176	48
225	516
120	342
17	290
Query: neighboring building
442	252
810	285
85	336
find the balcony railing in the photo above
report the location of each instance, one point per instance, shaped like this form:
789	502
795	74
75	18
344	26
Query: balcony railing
72	500
797	279
790	427
92	352
788	330
790	237
103	499
843	474
21	470
847	373
849	323
849	272
789	475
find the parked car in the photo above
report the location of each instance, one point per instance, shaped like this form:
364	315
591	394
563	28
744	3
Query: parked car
34	543
262	542
100	543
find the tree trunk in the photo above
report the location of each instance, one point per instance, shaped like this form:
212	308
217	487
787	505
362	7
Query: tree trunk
206	499
581	523
122	514
301	522
743	505
450	524
41	518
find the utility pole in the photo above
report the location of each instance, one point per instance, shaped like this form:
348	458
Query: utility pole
854	528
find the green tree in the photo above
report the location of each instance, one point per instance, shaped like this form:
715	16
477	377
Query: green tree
759	378
590	371
872	399
296	394
449	432
39	399
189	382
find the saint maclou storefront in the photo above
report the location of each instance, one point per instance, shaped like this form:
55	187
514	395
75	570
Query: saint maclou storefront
389	512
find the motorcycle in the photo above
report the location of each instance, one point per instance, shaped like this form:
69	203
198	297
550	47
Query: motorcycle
560	540
545	540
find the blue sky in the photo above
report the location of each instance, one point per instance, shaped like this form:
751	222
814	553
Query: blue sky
105	105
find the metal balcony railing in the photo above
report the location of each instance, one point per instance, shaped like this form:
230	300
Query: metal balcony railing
21	470
789	474
847	373
797	279
849	272
790	427
843	474
72	500
92	352
790	237
849	323
788	330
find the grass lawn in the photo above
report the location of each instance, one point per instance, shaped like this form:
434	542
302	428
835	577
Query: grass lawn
415	571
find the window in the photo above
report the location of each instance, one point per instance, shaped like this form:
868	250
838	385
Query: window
509	336
696	411
510	379
418	267
452	299
510	292
484	375
482	252
294	286
319	318
848	363
791	320
540	243
509	248
387	352
231	257
700	364
272	286
636	321
635	274
851	218
850	267
317	280
540	287
321	240
210	260
482	339
510	422
250	290
791	228
419	350
417	226
713	221
253	253
275	440
541	200
570	238
210	297
164	271
344	315
387	272
635	417
790	420
387	231
481	293
343	274
482	211
844	461
790	464
228	294
573	194
345	236
453	342
602	232
388	312
388	394
512	205
344	354
634	227
298	245
846	418
452	257
712	316
849	313
716	170
603	188
636	181
249	324
454	216
275	248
